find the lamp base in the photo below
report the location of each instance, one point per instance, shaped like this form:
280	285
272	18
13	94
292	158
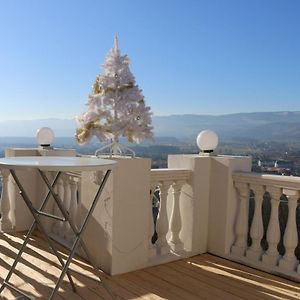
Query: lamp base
46	147
206	153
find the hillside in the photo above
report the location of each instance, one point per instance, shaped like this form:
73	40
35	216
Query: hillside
258	126
283	126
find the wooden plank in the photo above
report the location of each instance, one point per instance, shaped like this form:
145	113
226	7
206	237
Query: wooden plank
201	277
161	289
187	283
253	280
222	282
85	269
231	264
138	289
120	291
86	291
163	283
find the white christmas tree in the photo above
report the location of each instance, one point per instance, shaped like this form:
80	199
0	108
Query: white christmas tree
116	107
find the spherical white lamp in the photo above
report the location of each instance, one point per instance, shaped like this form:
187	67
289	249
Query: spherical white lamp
207	141
45	137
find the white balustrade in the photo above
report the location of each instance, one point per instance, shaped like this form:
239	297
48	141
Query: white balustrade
151	248
169	182
5	206
47	222
272	256
73	210
176	193
67	189
67	204
269	260
241	229
162	224
290	239
57	227
257	231
175	220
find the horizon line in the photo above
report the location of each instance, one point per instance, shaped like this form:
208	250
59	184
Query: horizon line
170	115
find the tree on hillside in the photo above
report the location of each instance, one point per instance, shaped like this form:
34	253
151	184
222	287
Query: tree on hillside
116	106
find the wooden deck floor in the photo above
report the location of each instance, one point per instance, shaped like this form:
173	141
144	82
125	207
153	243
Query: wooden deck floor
200	277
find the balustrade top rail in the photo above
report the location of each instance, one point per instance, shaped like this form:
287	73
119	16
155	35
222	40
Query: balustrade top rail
289	182
170	174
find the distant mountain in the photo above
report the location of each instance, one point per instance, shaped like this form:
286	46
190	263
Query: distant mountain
282	126
258	126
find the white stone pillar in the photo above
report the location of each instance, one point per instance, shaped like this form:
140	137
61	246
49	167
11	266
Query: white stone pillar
208	202
289	261
152	248
162	224
67	204
241	228
73	207
193	201
118	233
257	230
58	226
175	219
223	202
6	224
272	256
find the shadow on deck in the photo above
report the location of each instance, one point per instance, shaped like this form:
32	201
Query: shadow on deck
200	277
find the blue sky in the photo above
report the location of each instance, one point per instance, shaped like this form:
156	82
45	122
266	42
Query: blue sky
188	56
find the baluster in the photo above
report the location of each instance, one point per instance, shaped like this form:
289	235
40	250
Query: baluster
271	257
12	189
47	222
162	224
5	221
290	239
175	219
67	204
78	216
257	231
52	205
240	245
73	207
151	247
58	225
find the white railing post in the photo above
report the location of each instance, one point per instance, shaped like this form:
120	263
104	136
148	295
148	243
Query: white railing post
5	206
151	249
271	260
118	234
290	240
257	231
175	219
162	224
67	204
271	256
240	245
170	222
58	226
73	207
47	222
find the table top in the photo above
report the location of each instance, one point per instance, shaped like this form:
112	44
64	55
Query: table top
56	163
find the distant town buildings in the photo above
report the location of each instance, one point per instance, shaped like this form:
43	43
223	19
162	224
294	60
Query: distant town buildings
278	167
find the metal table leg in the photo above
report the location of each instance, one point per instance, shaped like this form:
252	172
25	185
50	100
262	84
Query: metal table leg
37	223
77	233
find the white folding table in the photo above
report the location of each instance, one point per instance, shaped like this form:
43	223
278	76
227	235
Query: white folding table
57	164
